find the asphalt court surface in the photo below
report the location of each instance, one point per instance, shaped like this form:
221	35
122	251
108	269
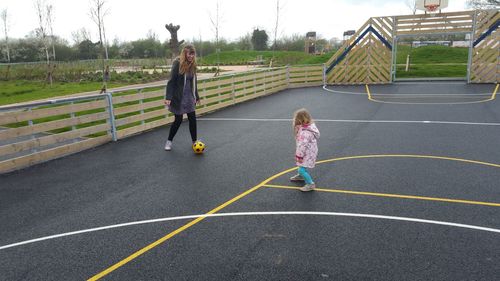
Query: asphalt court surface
406	191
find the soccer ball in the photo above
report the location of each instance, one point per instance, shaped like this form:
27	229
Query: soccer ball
198	147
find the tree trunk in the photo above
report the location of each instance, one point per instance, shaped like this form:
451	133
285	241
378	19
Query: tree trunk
8	51
104	84
53	51
174	43
105	41
7	72
49	70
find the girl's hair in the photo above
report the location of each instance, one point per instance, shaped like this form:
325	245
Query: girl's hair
185	65
301	117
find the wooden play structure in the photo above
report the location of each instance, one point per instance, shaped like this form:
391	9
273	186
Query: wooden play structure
368	57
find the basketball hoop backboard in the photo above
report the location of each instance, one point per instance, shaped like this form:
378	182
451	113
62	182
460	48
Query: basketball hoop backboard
431	6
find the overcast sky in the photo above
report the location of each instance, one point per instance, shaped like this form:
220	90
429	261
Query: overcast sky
130	20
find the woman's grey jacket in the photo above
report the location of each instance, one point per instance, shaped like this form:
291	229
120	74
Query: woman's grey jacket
175	86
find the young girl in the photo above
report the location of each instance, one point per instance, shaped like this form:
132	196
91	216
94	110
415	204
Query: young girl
182	93
306	138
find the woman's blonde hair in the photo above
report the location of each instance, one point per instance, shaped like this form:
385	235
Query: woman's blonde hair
301	117
185	65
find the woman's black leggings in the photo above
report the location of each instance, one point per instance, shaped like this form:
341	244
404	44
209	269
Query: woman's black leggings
177	123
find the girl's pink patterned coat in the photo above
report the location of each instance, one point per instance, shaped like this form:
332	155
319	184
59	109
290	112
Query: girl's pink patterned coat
307	145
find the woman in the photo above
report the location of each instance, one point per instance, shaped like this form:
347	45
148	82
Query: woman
182	93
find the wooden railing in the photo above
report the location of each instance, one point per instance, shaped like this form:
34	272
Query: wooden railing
43	131
368	57
306	76
455	22
485	61
40	131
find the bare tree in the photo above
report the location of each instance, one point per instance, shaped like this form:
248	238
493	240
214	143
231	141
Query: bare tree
41	7
412	4
81	35
216	28
5	21
105	40
276	26
483	4
97	13
200	48
50	26
174	42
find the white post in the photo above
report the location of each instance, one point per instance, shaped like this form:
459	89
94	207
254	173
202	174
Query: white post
324	74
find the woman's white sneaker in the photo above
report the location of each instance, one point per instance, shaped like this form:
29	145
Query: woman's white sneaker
168	145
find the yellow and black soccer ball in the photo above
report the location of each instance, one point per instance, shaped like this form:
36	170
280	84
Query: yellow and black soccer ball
198	147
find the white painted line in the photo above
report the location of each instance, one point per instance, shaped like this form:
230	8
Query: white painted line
354	121
467	226
96	229
343	92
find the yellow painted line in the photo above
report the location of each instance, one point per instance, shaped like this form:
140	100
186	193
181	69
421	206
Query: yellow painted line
495	92
368	92
182	228
263	183
409	156
392	195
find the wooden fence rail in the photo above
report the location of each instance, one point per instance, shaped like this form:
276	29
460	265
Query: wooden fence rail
369	56
41	131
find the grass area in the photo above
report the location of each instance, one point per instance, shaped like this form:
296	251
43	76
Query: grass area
74	71
317	59
426	61
432	70
280	58
93	111
421	55
432	61
23	91
432	54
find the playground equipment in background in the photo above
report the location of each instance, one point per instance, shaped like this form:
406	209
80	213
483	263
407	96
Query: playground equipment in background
310	42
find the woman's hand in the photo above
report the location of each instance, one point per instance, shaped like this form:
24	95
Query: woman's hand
198	102
299	159
167	102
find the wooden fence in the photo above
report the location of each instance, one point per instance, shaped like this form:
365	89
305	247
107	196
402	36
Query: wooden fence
41	131
485	61
368	57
